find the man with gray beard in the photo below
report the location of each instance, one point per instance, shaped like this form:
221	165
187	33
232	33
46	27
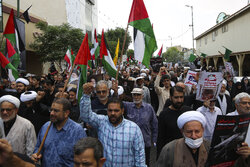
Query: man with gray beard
144	116
18	131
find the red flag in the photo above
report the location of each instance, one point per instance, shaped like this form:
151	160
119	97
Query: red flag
83	54
138	11
3	60
10	26
11	51
160	52
103	48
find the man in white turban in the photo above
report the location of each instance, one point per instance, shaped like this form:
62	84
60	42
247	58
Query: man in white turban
224	101
21	85
19	132
192	150
32	110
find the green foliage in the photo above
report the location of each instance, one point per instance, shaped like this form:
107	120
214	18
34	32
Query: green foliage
130	52
53	42
112	36
172	55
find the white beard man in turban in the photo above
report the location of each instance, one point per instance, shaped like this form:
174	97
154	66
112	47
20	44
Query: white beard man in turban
192	150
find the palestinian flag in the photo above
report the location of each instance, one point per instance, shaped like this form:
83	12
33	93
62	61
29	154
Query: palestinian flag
13	73
116	53
160	52
106	58
81	60
95	51
69	58
144	38
12	34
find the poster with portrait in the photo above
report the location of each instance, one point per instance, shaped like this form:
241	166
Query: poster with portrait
229	133
169	65
209	85
190	78
229	68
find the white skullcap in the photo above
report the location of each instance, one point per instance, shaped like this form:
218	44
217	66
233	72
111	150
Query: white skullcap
143	75
224	82
11	99
23	80
120	91
28	96
190	116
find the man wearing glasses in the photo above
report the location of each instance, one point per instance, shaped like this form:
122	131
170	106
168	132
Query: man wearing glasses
62	135
19	132
242	104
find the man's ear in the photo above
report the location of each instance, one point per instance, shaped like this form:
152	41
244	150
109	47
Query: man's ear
101	162
122	111
67	112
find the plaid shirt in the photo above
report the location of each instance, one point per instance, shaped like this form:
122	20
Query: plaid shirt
123	144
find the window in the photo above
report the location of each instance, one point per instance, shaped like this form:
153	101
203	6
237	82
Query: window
224	28
205	40
216	33
213	36
88	15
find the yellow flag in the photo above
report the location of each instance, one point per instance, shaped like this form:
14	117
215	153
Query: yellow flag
116	53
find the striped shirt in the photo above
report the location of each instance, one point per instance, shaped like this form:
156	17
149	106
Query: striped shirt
123	144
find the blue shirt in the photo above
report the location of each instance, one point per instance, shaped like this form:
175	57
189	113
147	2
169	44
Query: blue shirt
145	118
58	147
123	144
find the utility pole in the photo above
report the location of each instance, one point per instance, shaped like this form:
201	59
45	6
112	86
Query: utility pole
192	25
18	8
171	40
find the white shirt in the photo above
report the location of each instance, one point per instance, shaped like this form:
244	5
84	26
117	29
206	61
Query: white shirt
211	120
247	140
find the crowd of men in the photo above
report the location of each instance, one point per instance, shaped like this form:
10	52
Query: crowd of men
116	122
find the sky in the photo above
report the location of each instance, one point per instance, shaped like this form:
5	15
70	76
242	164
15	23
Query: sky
170	19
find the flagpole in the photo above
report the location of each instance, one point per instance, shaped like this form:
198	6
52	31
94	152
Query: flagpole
222	57
120	60
67	81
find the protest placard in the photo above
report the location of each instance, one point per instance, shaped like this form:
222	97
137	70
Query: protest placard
209	85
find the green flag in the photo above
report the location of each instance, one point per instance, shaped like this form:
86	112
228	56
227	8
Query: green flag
192	57
227	54
203	55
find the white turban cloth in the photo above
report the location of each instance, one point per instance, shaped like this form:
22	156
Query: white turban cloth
23	81
120	91
11	99
191	116
28	96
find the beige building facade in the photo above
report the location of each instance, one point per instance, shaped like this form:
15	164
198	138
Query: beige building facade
233	33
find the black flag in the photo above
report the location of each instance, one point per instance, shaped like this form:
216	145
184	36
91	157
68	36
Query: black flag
26	15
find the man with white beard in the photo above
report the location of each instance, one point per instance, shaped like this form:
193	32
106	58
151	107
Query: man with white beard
18	131
224	101
144	116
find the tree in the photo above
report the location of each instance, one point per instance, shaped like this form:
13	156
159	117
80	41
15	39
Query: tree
172	55
52	43
130	52
112	36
